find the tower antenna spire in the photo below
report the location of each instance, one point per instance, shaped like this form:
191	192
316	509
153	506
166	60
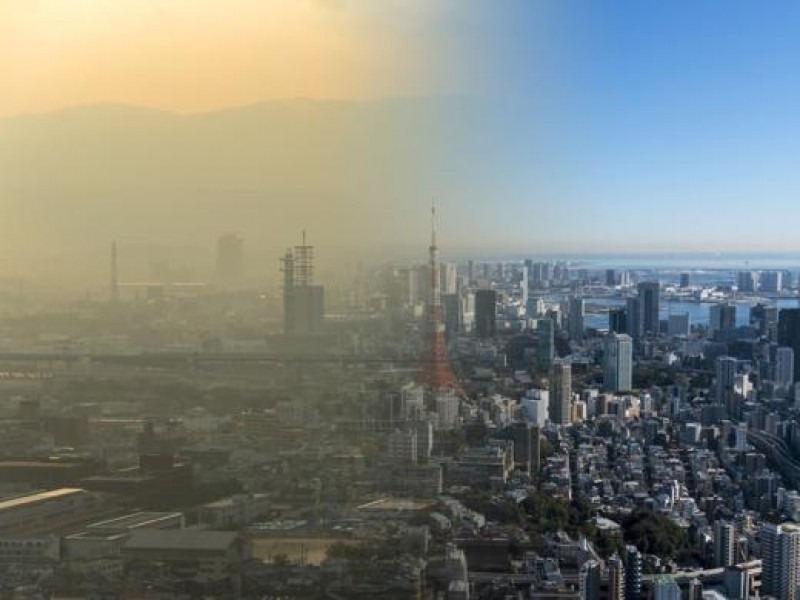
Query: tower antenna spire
433	222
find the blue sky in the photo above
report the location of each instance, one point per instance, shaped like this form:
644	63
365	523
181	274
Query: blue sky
652	125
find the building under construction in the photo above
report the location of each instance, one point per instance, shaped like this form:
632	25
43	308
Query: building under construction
303	302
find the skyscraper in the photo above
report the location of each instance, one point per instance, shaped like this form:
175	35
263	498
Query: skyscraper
765	319
611	277
634	318
230	258
648	292
771	282
789	334
722	318
561	393
486	313
545	349
725	376
575	314
780	555
724	543
747	281
618	320
784	367
451	306
618	367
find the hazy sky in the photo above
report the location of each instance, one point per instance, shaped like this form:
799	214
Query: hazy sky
624	125
194	55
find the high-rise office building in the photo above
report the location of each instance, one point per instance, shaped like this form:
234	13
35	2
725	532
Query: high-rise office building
722	318
634	319
784	368
618	363
679	324
747	281
617	320
540	277
611	277
536	449
726	367
561	392
724	543
685	280
575	315
649	292
789	334
449	278
486	313
765	319
451	306
524	287
522	434
771	282
545	349
230	258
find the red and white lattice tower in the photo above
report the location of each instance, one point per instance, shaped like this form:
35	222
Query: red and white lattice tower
437	374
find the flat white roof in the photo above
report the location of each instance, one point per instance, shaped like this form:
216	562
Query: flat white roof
39	497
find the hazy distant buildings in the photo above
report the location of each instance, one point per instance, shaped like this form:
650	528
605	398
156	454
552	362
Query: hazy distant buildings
771	282
618	364
747	281
685	280
560	393
486	313
303	302
230	258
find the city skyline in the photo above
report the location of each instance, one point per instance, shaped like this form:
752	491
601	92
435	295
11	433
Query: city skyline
614	138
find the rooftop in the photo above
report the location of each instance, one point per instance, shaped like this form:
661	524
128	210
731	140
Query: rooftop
136	520
180	539
39	497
